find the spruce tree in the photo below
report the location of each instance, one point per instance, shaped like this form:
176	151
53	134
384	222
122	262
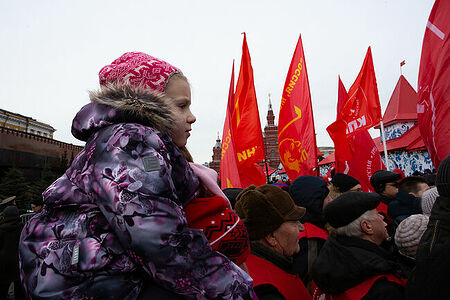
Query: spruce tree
13	184
39	186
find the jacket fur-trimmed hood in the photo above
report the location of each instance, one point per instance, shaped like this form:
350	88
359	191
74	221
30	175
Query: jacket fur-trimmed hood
123	104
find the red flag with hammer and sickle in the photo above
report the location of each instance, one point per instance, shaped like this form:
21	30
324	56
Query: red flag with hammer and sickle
296	135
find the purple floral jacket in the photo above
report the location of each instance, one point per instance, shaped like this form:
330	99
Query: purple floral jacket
113	226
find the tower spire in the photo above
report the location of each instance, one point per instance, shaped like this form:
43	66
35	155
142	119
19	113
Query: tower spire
270	116
270	103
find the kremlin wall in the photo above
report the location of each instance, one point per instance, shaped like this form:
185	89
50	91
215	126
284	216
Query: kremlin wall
28	145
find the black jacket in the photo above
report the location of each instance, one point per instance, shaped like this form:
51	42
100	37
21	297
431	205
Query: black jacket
9	244
430	279
309	192
403	206
309	249
345	262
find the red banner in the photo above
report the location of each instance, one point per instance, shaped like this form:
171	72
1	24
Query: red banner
341	162
365	159
342	97
296	135
246	126
433	106
361	111
229	175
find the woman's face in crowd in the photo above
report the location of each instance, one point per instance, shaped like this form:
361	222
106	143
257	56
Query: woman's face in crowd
179	91
287	238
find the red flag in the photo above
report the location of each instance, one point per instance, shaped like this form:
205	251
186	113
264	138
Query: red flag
344	142
365	161
433	104
296	135
402	63
245	124
342	97
366	158
229	175
361	111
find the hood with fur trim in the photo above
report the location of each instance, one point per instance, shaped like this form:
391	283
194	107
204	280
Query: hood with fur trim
114	104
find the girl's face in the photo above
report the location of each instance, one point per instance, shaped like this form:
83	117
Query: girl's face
179	91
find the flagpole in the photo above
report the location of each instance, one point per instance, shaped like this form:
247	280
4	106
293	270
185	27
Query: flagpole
383	137
265	160
265	154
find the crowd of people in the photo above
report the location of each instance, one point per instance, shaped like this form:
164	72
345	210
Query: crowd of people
134	217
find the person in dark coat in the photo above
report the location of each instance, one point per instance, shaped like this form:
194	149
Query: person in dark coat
10	228
37	205
430	279
341	183
408	200
5	203
310	192
385	183
351	264
345	183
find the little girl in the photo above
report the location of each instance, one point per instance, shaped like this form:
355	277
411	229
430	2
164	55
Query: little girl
113	226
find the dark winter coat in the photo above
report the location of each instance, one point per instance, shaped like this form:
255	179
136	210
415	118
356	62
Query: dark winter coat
309	250
9	249
345	262
430	279
113	226
310	193
403	206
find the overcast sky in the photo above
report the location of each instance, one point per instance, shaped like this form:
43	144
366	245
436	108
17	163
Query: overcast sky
52	51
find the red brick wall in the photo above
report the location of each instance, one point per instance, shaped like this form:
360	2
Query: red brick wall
25	142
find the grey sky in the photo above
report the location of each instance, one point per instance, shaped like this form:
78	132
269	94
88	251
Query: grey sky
52	51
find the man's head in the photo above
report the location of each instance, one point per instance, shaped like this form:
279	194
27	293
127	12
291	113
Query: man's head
11	213
385	182
414	185
271	217
37	205
354	214
310	192
345	183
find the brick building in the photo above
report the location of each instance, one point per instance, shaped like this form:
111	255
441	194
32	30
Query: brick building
28	145
217	149
270	136
25	124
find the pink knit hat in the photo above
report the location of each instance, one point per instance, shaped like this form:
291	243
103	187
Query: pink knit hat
138	69
409	232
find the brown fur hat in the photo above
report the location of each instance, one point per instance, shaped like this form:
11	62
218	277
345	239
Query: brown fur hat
263	209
